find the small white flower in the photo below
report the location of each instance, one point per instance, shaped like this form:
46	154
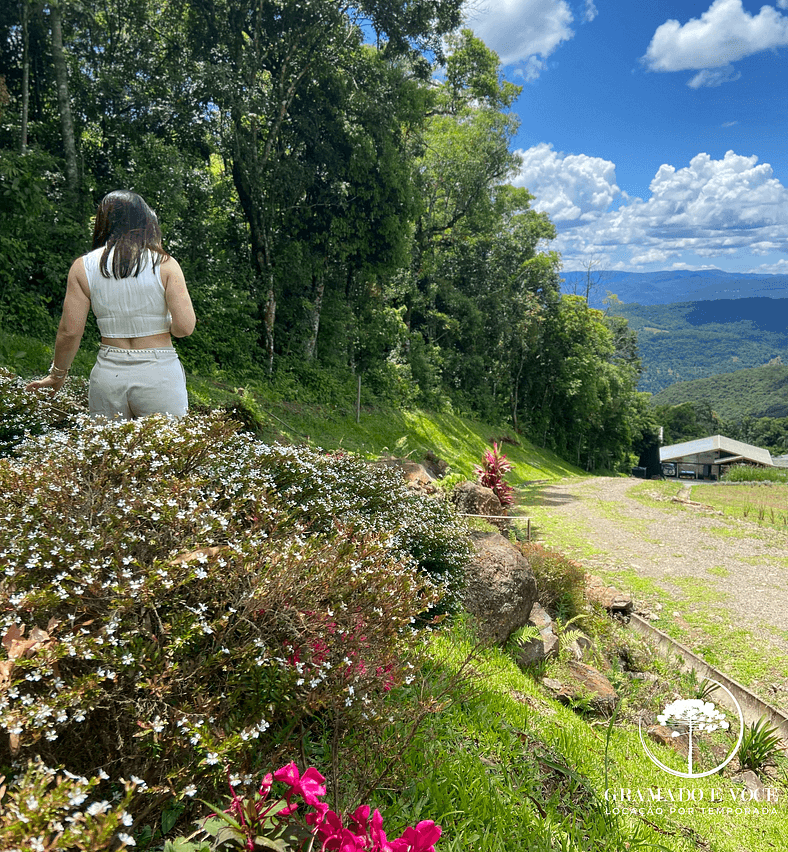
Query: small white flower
212	759
127	839
190	790
97	808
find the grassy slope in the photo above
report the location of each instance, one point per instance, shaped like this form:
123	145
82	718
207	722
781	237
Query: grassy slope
460	441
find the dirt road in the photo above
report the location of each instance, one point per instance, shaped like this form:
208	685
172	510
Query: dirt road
711	579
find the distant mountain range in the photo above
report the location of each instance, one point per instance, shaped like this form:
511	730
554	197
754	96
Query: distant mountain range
696	324
664	288
694	340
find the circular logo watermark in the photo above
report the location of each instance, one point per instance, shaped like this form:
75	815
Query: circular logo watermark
695	717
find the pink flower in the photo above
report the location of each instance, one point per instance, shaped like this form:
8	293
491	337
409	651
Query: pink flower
265	786
329	827
423	837
378	836
317	816
360	819
309	785
345	841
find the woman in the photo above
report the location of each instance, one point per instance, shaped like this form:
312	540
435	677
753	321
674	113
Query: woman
139	298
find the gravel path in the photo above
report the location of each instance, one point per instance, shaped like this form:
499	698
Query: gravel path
700	559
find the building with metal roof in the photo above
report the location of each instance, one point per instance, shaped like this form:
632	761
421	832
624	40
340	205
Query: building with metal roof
707	458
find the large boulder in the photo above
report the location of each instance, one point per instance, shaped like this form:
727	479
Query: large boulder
471	498
500	587
415	475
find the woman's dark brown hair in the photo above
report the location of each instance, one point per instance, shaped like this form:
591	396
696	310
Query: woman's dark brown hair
126	223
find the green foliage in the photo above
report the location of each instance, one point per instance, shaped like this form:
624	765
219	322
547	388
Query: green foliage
749	473
178	597
690	341
688	420
560	581
760	745
750	403
338	214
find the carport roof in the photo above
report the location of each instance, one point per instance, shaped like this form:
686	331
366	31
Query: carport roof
720	443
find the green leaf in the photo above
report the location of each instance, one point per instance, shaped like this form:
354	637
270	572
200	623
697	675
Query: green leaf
170	816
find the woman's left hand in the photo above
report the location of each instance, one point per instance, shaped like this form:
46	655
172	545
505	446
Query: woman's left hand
48	382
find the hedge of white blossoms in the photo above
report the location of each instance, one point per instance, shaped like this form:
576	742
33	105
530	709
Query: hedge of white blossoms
175	594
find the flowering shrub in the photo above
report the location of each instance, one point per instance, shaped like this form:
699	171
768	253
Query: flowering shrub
45	810
167	607
491	475
23	414
259	822
323	487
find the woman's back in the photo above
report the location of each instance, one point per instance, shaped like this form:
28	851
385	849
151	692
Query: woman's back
134	306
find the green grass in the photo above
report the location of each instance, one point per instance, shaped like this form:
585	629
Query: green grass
509	768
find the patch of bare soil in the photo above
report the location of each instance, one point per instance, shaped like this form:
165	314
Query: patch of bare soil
736	574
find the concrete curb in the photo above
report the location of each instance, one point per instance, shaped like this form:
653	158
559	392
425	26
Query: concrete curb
753	708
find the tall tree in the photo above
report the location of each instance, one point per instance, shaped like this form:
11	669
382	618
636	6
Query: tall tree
265	58
64	99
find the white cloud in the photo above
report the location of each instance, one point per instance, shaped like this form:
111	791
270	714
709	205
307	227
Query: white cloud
722	35
569	188
711	77
523	31
731	207
591	11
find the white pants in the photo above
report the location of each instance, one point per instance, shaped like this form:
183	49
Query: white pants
130	383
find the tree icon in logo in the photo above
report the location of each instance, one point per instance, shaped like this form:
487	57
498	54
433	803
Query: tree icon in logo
697	716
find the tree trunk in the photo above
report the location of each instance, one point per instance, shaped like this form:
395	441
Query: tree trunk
269	320
25	73
314	318
245	170
63	102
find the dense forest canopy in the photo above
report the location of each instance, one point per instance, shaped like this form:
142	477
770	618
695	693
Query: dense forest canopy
334	179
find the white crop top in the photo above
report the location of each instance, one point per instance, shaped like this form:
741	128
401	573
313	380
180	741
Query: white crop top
127	307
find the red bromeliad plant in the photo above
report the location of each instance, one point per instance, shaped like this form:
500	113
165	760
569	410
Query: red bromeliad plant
261	823
491	474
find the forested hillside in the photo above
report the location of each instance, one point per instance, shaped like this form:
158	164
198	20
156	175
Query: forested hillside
695	340
333	178
753	393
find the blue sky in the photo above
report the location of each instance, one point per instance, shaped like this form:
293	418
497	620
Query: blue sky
655	134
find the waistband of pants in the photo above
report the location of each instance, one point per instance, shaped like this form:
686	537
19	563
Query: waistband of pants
120	350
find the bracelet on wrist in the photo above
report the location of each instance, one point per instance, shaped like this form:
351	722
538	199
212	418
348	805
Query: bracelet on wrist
57	372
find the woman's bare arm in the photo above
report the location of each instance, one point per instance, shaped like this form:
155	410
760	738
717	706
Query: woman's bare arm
179	302
72	325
